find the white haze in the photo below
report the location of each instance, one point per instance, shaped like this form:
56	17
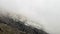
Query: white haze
46	12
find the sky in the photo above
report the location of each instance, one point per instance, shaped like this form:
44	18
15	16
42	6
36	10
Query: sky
46	12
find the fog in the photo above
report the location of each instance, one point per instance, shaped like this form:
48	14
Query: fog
45	12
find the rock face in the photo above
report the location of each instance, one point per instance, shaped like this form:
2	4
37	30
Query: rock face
5	29
10	26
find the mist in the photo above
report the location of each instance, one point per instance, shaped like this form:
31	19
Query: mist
45	12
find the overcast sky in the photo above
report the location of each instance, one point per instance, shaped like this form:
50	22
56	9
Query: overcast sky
46	12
